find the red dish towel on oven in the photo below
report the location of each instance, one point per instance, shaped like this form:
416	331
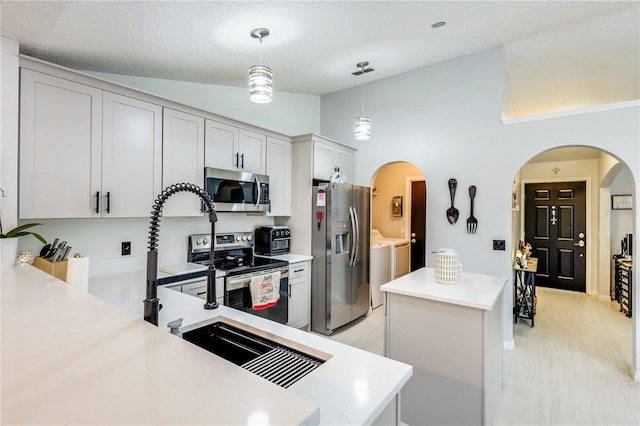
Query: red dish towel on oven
265	290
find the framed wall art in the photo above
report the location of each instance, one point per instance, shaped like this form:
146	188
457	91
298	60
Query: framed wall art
622	202
396	206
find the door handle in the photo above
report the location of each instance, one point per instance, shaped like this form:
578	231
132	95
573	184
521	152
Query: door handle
237	159
413	234
98	202
579	243
413	240
242	164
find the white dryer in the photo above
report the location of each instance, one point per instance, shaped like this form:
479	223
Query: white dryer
380	272
400	253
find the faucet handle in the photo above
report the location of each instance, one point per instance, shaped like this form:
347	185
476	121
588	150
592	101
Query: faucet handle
175	325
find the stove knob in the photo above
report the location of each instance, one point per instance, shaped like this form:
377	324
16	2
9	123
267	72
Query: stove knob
244	238
199	241
248	237
205	241
287	233
238	238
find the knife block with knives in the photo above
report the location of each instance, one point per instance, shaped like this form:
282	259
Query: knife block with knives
53	259
57	269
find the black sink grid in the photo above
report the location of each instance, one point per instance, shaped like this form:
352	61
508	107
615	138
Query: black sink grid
269	360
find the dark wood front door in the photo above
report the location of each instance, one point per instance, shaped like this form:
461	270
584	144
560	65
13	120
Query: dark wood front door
418	224
555	226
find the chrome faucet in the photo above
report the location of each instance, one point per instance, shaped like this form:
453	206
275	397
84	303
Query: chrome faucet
152	303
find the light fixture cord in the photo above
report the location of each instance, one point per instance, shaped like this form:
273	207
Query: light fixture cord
260	50
362	90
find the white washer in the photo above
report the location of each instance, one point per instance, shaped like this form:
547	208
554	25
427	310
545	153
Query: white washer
400	253
380	270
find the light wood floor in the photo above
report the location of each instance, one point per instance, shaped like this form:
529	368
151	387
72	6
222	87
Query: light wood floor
572	368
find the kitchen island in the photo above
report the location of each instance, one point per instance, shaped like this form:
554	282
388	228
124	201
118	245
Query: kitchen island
452	335
70	357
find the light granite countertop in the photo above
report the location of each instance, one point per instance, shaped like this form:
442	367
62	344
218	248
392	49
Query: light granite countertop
69	357
472	290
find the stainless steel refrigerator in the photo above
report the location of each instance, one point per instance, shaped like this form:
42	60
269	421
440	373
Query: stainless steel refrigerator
340	248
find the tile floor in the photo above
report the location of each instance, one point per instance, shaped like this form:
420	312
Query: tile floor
572	368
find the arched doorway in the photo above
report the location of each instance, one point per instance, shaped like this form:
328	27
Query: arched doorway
604	175
398	219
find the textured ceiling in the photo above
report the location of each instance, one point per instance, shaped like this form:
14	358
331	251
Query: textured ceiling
560	54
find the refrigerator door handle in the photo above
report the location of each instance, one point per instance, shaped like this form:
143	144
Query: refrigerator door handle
354	237
357	233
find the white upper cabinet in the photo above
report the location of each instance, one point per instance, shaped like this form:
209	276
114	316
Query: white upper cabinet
279	172
221	145
329	157
131	156
85	152
60	147
232	148
182	160
252	147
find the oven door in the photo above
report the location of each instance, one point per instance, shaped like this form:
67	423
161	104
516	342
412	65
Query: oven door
237	295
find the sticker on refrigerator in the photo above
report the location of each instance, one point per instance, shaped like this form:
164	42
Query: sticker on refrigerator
321	198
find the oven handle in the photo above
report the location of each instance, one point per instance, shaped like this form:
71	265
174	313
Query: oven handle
241	281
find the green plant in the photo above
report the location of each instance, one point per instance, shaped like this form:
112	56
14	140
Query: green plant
20	231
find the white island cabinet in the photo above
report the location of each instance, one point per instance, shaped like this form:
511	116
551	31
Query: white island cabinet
452	335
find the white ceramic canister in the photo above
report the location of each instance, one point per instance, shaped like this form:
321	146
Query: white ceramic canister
447	268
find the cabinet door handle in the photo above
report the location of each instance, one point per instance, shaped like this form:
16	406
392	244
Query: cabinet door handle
289	290
108	202
97	201
298	270
237	161
242	165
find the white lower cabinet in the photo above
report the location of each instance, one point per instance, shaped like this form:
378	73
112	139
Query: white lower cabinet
299	294
199	289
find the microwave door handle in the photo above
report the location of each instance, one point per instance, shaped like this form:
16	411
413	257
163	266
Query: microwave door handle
259	191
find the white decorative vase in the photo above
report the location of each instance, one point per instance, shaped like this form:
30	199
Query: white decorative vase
8	252
448	269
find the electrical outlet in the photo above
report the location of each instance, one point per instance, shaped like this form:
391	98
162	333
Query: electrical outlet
498	245
126	248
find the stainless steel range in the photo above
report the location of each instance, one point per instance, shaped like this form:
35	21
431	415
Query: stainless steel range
234	255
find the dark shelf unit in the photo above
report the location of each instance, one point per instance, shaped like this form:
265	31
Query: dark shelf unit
622	288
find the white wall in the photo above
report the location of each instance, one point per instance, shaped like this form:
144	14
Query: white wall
289	113
446	119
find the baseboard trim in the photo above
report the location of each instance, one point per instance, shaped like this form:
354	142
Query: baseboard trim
636	378
604	298
508	345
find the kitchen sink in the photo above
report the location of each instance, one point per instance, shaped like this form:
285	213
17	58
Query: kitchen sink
276	361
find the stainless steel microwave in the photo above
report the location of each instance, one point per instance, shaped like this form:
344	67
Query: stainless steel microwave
235	191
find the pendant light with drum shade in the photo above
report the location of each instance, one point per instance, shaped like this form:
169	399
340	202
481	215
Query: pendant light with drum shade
260	76
363	123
